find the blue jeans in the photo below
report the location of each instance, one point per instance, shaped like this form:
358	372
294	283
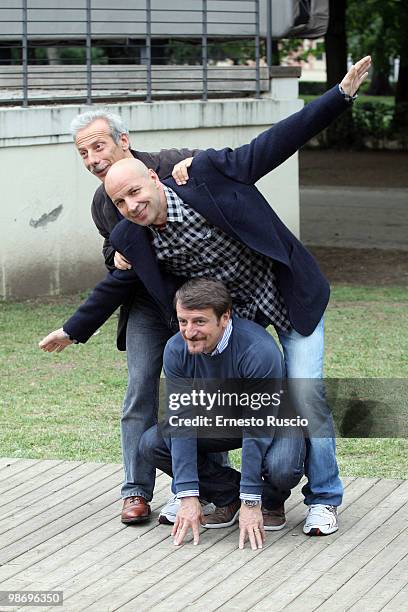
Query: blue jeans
146	335
282	466
304	360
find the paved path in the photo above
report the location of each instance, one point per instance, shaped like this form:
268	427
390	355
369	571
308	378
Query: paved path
354	217
60	530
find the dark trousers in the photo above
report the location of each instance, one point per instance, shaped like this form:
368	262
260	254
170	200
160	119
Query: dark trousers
282	468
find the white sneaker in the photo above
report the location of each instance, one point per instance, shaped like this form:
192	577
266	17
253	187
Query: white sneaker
168	513
321	520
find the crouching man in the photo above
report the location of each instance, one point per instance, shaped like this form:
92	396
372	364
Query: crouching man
213	344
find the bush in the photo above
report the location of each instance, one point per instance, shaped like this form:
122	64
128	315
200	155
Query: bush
369	125
372	123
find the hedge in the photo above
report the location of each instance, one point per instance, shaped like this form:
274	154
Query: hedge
370	125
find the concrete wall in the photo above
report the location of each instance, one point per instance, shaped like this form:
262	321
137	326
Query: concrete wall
48	243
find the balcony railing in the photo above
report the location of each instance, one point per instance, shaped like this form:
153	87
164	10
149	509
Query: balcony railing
87	51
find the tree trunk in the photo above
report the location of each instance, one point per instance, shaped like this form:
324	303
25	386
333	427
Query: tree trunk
339	133
380	84
275	53
401	92
336	42
400	122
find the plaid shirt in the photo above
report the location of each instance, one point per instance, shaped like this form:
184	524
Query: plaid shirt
190	246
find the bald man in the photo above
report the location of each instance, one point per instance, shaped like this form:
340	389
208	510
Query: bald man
137	192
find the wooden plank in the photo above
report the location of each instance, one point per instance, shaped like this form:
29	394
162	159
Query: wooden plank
16	470
169	78
140	578
370	516
132	540
385	589
101	565
54	520
198	562
6	462
35	485
130	567
86	479
282	557
66	559
51	493
241	568
122	561
64	548
362	568
25	475
130	561
163	561
399	602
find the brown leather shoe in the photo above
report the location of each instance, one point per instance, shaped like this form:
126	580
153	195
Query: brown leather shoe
135	510
274	519
224	516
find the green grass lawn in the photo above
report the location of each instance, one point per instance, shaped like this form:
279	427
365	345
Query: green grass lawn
67	405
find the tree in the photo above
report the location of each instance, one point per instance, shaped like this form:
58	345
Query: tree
373	26
400	122
336	66
336	42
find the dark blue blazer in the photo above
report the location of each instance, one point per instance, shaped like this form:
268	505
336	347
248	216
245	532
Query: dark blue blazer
221	188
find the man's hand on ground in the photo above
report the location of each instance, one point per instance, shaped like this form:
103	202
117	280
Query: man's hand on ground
55	341
356	75
189	516
121	263
251	526
180	173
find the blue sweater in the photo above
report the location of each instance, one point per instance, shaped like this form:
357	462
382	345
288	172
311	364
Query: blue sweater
251	353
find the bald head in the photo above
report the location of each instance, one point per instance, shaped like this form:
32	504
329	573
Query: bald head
124	169
137	192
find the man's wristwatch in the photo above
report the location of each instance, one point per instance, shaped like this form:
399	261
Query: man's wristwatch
346	96
251	503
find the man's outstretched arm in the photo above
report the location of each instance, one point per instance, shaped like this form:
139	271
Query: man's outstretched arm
249	163
107	296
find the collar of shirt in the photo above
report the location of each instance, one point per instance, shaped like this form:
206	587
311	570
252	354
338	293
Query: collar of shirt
174	209
223	343
174	205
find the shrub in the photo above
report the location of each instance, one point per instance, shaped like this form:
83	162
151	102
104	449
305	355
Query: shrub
369	125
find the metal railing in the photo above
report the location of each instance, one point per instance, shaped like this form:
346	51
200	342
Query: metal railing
131	51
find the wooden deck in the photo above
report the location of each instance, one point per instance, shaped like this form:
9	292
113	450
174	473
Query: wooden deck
60	530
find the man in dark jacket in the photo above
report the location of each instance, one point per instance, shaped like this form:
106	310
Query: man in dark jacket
219	225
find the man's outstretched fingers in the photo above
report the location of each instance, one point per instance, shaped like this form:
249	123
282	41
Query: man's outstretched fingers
196	533
260	537
181	534
363	64
252	539
242	534
175	526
